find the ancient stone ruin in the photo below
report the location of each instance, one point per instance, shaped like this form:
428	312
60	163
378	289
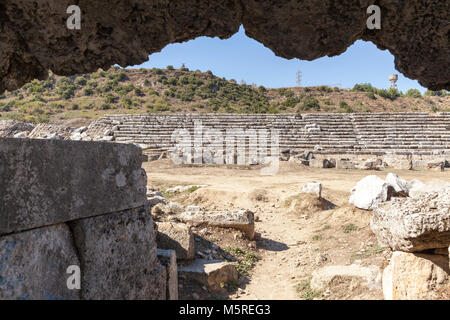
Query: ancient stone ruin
72	200
402	140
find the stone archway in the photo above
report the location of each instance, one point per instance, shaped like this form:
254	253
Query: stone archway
34	37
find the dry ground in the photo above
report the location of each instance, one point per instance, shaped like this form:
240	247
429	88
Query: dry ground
294	242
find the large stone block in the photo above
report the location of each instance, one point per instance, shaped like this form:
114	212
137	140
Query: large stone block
45	182
118	256
177	237
416	277
241	219
414	224
33	264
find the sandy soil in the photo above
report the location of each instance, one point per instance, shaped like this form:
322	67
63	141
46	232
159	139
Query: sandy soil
293	243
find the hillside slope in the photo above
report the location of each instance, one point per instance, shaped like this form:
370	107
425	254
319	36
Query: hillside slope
181	90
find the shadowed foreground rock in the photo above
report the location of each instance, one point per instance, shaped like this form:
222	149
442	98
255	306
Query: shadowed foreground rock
33	264
65	204
34	37
118	256
414	224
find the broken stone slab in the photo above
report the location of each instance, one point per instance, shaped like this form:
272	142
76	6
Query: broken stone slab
33	264
118	257
401	186
416	276
177	237
370	192
414	224
211	273
242	220
313	188
168	259
369	277
45	182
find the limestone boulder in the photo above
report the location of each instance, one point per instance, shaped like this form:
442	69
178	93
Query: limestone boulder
370	192
241	219
177	237
414	224
412	276
211	273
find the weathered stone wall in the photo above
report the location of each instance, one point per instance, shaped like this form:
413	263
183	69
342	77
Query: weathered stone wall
69	203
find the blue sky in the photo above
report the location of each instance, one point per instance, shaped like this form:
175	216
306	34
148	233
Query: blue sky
242	58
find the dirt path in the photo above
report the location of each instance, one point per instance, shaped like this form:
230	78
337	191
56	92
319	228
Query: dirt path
292	245
275	275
